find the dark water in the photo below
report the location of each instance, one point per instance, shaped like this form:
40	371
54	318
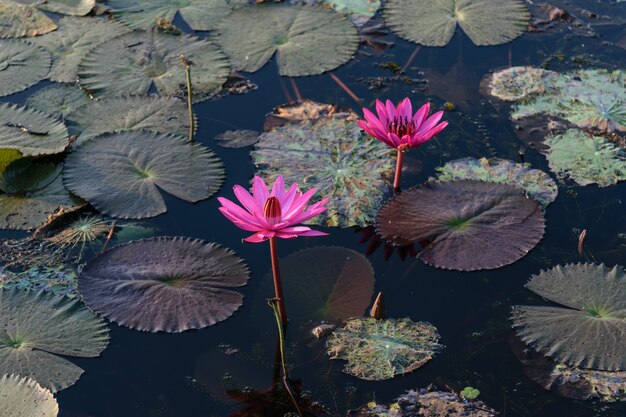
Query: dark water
185	375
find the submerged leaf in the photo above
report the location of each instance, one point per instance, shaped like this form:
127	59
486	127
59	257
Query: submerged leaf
517	83
308	40
37	327
237	138
58	100
24	397
22	64
118	173
22	20
164	284
470	225
381	349
587	328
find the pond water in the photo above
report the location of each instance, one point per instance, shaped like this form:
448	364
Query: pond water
143	374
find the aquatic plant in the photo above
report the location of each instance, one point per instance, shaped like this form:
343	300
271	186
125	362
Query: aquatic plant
470	393
22	397
273	215
398	128
23	20
22	64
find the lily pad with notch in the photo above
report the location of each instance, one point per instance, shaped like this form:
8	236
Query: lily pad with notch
469	225
23	397
169	284
23	20
58	100
120	173
22	64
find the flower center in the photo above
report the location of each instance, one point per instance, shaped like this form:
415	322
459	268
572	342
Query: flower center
272	210
401	126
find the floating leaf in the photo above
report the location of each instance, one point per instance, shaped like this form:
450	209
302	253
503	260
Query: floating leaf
381	349
23	397
586	329
308	40
298	111
22	20
470	225
27	175
58	100
36	327
586	159
60	280
133	63
22	64
69	7
164	284
30	131
517	83
74	39
118	173
237	138
537	184
359	11
143	14
335	156
433	23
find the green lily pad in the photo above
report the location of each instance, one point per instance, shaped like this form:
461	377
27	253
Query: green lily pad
158	114
143	14
335	156
27	175
517	83
164	284
308	40
69	7
58	100
358	11
237	138
586	159
586	329
7	157
134	63
22	20
468	224
22	397
38	328
118	173
73	40
537	184
433	23
30	131
60	279
22	64
382	349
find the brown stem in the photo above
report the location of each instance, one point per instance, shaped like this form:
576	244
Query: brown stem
396	180
278	285
192	121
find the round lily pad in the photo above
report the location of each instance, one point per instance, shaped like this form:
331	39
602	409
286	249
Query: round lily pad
22	20
537	184
585	158
164	284
23	397
469	224
143	14
22	64
237	138
73	40
517	83
335	156
134	63
37	327
30	131
433	23
308	40
118	173
586	329
58	100
158	114
382	349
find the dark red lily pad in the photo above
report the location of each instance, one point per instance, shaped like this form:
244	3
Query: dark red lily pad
169	284
469	225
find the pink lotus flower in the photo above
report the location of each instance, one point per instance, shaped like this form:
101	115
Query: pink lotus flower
274	214
398	127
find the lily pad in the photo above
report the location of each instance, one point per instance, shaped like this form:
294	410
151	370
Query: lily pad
358	11
38	328
335	156
517	83
58	100
143	14
27	175
237	138
308	40
585	158
537	184
22	64
433	23
382	349
22	20
158	114
30	131
22	397
587	328
118	173
134	63
469	224
164	284
69	7
73	40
